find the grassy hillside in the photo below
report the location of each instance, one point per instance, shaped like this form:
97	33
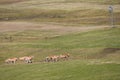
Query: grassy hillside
2	2
35	28
96	1
100	44
65	12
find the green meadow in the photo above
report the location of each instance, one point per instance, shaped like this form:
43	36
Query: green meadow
94	44
71	70
93	55
42	28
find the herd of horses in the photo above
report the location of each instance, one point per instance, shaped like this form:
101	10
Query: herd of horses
29	59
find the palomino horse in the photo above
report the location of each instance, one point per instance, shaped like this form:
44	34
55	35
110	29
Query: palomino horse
11	60
28	59
53	58
48	59
64	56
22	58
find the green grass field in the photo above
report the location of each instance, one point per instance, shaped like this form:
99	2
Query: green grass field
99	44
71	70
42	28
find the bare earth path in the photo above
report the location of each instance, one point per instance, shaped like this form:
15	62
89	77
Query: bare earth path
20	26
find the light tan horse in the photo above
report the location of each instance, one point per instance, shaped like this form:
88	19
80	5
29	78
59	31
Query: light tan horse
64	56
7	60
48	59
22	58
29	59
11	60
53	58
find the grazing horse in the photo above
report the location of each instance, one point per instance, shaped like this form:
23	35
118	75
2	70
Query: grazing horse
7	60
29	59
53	58
22	58
11	60
64	56
48	59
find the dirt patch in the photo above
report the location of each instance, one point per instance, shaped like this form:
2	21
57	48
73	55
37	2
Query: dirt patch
20	26
108	51
16	26
105	53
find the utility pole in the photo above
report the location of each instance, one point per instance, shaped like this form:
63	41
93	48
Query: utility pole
111	16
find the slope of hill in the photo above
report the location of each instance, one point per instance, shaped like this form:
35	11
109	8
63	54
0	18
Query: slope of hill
101	44
2	2
65	12
43	28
